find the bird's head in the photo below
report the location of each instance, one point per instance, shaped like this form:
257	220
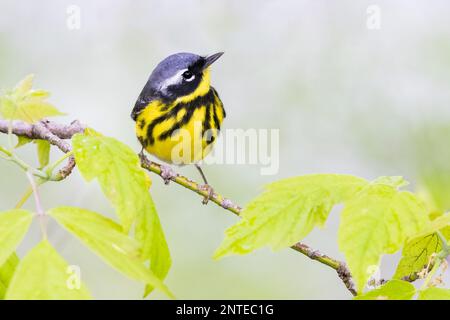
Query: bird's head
182	75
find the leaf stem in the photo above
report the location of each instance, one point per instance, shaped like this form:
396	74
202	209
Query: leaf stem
53	165
445	247
6	152
10	156
28	193
27	167
24	198
39	209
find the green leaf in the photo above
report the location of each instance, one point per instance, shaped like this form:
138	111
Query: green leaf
21	141
418	250
154	246
393	181
7	272
117	169
43	275
32	110
24	86
14	225
416	255
41	94
93	227
434	294
125	184
377	220
43	150
391	290
25	104
105	237
287	211
440	223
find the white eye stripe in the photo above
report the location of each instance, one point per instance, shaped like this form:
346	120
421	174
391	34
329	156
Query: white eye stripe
175	79
190	78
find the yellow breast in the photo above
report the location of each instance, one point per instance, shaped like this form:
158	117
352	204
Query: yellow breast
182	132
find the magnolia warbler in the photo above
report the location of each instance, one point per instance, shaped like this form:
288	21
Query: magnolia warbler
178	113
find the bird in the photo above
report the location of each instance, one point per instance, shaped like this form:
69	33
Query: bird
178	113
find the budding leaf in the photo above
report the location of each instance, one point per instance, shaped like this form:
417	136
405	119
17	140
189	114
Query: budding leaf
43	275
106	238
21	141
43	151
434	294
7	272
24	86
391	290
287	211
23	103
377	220
14	225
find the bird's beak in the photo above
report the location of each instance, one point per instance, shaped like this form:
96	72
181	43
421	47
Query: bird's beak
211	59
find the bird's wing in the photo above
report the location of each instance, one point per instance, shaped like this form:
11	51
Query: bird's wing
147	95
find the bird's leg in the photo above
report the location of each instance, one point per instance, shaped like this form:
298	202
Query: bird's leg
167	172
141	154
207	187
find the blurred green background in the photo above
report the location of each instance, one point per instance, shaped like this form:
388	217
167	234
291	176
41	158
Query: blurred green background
346	99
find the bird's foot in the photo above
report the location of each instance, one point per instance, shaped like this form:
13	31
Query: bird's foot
210	190
142	156
167	173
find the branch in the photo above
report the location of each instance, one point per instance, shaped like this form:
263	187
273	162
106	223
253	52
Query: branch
340	267
55	134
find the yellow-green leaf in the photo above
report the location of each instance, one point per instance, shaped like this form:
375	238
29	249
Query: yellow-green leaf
377	220
287	211
416	255
392	181
117	169
32	110
7	272
391	290
14	225
417	252
434	294
154	247
43	151
41	94
21	141
92	227
24	86
105	237
44	275
23	103
123	181
440	223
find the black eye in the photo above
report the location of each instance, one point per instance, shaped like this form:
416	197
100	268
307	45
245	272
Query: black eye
188	76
